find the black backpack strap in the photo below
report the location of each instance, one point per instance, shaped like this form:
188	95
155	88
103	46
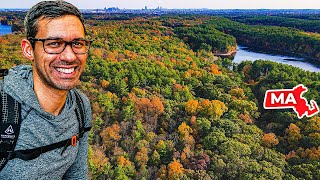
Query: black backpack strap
30	154
80	113
10	121
4	72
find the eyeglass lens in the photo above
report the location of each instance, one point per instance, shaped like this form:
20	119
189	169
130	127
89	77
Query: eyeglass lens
56	46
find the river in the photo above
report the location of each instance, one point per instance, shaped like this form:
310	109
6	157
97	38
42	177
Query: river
244	53
5	29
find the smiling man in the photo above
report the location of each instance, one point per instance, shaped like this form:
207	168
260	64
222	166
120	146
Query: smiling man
55	117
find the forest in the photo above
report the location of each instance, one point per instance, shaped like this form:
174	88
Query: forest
304	24
164	107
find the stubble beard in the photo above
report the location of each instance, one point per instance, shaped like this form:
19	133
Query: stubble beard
49	82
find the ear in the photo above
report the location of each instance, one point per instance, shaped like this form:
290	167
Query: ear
27	49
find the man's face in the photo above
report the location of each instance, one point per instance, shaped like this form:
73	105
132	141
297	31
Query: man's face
59	71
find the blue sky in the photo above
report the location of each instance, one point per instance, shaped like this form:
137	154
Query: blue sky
181	4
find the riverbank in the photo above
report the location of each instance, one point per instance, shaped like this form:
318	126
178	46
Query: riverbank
228	54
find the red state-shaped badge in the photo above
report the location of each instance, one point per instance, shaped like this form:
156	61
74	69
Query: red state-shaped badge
290	98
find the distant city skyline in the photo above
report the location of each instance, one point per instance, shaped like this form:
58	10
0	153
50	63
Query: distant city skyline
178	4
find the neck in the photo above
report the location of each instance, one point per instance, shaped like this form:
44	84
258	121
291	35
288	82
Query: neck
50	99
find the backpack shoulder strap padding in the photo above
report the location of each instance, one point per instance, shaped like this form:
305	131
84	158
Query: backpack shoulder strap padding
29	154
10	121
80	114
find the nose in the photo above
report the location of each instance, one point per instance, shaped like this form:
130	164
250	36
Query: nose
68	54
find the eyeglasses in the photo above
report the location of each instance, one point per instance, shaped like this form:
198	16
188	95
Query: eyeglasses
57	45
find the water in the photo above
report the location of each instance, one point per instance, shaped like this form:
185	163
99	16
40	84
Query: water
244	54
5	29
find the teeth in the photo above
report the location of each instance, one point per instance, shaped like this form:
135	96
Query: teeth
67	71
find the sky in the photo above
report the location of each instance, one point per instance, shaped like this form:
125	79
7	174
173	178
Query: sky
177	4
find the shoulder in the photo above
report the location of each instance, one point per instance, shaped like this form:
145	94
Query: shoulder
86	104
83	97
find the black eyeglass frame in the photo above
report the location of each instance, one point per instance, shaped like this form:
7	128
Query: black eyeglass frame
31	39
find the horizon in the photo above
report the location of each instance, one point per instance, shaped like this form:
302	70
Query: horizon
169	4
177	8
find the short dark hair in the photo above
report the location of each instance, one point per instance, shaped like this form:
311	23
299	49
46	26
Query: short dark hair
49	10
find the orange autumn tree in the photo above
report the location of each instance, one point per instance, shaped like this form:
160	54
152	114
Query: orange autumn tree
157	104
312	153
245	118
148	110
110	135
215	69
293	134
141	157
97	160
175	169
122	161
144	105
270	140
105	83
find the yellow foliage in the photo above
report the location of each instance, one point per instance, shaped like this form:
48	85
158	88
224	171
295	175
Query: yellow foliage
220	106
237	92
205	104
122	161
141	156
137	91
98	158
313	125
214	108
187	74
293	134
161	145
184	130
192	106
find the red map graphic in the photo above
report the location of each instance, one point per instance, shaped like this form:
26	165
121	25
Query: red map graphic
291	98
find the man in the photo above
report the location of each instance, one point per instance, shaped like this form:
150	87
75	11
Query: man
57	47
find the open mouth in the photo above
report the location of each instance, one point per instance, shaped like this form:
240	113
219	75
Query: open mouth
66	70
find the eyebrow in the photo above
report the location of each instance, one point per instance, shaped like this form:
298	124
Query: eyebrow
59	38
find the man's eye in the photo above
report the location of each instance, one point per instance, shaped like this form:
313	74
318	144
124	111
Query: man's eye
54	43
78	44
